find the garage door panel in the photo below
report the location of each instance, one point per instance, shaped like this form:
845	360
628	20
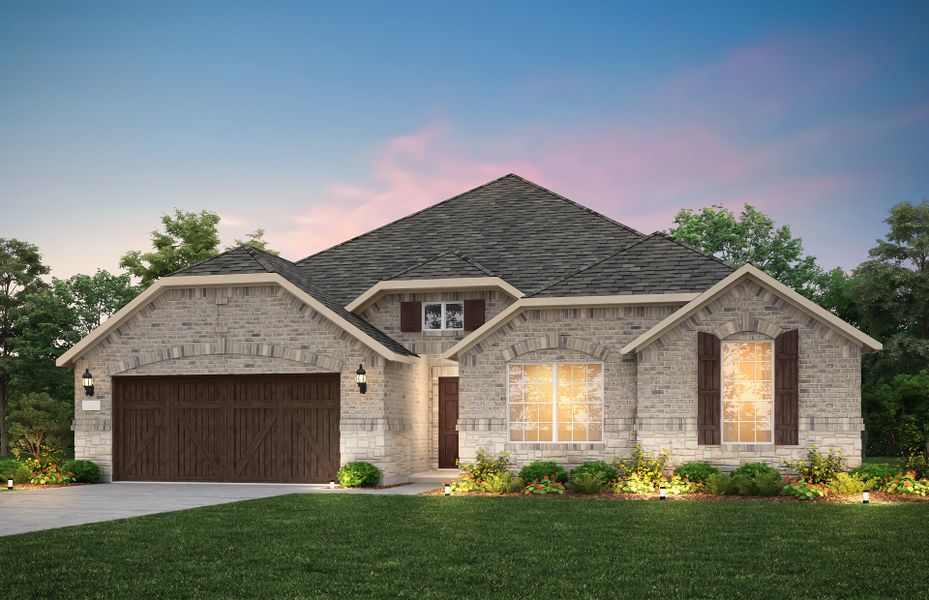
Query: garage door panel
226	428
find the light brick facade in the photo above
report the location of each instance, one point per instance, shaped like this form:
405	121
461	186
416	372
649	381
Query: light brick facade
649	397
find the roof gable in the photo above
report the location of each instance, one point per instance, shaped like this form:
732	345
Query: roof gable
657	264
523	233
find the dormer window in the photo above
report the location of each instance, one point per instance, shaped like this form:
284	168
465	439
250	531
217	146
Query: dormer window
439	316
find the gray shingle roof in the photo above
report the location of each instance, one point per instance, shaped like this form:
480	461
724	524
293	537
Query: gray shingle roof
536	240
526	234
656	265
246	259
447	264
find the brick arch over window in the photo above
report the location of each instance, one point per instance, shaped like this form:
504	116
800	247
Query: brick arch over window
562	342
222	347
750	324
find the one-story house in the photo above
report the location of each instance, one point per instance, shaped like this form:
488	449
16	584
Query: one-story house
507	318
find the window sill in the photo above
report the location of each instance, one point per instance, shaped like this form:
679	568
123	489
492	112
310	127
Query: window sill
730	447
555	445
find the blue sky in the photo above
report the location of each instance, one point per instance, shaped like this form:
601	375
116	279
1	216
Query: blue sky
318	122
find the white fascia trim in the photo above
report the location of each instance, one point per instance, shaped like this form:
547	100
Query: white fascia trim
804	304
198	281
563	302
397	286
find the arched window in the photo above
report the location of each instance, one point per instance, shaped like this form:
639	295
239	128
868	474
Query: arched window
748	392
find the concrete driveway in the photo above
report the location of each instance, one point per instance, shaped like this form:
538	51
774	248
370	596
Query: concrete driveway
33	510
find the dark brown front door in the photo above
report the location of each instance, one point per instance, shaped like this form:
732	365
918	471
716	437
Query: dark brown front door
271	428
448	422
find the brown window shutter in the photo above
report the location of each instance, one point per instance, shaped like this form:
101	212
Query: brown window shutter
473	314
787	389
708	389
411	316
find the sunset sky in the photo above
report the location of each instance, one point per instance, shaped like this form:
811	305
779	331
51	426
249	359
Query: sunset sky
319	121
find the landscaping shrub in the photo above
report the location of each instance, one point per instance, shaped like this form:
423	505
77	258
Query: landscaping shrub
634	484
755	469
804	490
48	475
917	463
503	483
84	471
644	466
486	466
359	474
467	484
13	469
848	484
681	485
818	467
879	471
697	472
757	483
906	483
543	486
719	484
599	469
586	482
538	469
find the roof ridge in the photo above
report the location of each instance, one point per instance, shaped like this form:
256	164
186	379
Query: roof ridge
592	265
409	216
577	204
474	263
435	257
670	237
205	260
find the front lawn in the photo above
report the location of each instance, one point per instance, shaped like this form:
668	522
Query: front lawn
315	545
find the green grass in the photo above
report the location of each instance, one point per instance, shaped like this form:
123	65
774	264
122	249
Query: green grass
340	546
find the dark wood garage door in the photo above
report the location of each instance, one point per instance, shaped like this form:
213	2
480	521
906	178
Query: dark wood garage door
267	428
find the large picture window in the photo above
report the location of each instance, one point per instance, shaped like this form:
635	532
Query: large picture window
556	402
748	392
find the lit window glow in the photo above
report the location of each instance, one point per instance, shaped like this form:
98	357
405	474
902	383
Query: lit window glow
748	392
556	402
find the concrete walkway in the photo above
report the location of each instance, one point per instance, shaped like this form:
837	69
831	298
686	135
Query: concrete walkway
34	510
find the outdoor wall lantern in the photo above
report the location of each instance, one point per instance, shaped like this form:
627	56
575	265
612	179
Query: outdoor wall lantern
865	497
88	381
662	493
361	379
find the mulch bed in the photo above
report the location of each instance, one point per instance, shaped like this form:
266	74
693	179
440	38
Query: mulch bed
876	497
33	486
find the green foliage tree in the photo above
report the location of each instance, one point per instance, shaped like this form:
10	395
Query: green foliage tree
187	238
749	238
897	414
256	240
21	271
40	427
55	318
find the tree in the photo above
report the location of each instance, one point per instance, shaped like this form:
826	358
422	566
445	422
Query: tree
40	428
750	238
256	240
55	318
892	291
187	238
21	269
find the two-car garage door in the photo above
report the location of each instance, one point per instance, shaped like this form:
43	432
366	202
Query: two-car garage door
261	428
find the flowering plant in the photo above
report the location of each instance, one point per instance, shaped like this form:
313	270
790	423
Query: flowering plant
804	489
467	484
48	474
546	485
680	485
634	484
906	483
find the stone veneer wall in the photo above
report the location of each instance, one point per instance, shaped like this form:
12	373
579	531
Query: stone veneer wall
651	398
253	329
385	315
829	374
550	335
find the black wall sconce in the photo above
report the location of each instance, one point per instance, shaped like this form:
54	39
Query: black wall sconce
88	381
361	379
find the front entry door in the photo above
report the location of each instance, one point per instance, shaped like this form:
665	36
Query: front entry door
448	422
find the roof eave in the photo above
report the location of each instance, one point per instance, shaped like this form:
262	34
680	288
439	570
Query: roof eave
867	343
399	286
197	281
